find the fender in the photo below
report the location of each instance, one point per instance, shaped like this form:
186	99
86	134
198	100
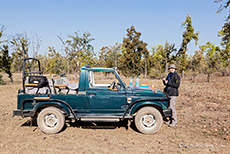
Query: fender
144	102
41	102
49	103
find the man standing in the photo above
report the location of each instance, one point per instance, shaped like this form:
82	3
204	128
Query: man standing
172	83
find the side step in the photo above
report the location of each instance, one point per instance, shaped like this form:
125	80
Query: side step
102	117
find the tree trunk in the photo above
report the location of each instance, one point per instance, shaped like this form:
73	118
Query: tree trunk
166	64
102	77
227	71
166	68
160	74
75	75
146	67
67	67
133	69
208	77
116	59
182	74
11	79
78	68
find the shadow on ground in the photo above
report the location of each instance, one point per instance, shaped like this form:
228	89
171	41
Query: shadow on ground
90	124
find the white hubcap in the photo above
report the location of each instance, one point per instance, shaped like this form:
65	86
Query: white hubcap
51	120
148	120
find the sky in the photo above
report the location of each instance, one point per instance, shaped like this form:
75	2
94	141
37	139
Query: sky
107	20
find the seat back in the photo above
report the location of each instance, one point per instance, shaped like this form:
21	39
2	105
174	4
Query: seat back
61	81
41	81
36	83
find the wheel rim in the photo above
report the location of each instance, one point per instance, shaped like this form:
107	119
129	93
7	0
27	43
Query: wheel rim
51	120
148	120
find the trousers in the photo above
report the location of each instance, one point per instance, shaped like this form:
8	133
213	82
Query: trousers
172	106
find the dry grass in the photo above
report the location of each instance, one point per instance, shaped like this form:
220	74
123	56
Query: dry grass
203	114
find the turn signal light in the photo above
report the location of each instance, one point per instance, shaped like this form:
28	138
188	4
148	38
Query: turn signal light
153	86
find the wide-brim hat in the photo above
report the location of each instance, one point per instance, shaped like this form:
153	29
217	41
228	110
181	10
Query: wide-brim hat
172	66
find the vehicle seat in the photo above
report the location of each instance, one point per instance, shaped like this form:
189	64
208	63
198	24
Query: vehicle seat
63	83
37	83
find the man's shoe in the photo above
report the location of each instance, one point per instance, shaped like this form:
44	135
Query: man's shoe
173	125
167	122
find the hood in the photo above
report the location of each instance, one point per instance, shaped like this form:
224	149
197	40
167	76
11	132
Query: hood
139	91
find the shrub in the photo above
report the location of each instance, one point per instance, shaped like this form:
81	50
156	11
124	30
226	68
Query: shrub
154	73
1	80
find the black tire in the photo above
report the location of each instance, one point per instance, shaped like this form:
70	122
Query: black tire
50	120
148	120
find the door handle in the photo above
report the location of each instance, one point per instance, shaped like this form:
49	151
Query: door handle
92	95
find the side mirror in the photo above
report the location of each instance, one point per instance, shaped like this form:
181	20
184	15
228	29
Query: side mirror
20	91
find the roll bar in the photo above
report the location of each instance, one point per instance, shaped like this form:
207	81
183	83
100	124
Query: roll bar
25	73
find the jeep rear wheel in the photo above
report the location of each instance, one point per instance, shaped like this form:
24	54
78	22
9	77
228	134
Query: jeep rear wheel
148	120
51	120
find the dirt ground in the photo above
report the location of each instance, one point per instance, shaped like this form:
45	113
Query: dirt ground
203	115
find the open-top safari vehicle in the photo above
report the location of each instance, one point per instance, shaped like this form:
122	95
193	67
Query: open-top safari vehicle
52	102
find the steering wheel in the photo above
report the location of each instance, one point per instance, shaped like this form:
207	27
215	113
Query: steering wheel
113	85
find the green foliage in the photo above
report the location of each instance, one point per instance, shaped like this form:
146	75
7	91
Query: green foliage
104	56
55	62
188	35
21	45
162	56
79	51
155	73
158	57
225	52
5	60
212	56
197	63
134	50
1	80
108	56
44	60
224	33
131	57
81	48
21	48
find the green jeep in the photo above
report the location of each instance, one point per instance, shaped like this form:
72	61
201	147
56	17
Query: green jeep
52	102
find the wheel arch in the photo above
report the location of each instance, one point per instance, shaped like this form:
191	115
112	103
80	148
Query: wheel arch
65	107
138	104
43	105
136	108
39	104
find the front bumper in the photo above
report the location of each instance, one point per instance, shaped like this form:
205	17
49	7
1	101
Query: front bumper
167	112
23	113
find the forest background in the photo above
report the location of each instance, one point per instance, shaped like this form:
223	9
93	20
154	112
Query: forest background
131	57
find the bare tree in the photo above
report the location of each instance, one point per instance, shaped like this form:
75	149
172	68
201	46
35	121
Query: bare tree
67	53
36	44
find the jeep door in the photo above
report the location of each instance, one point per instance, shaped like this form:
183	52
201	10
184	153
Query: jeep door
101	98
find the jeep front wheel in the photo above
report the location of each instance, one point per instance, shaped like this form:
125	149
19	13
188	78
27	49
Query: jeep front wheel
51	120
148	120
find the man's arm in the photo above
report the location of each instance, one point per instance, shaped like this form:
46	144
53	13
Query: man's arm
165	81
175	84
